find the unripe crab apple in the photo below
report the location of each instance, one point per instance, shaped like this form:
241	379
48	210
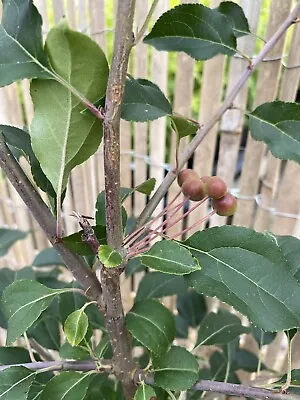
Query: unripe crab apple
226	205
215	187
185	175
193	189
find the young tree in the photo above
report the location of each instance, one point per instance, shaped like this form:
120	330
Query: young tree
77	99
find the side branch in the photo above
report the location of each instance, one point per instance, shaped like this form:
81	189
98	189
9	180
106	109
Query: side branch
203	131
47	222
229	389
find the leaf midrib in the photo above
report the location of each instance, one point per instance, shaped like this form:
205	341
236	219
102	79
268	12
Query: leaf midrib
216	333
16	384
151	321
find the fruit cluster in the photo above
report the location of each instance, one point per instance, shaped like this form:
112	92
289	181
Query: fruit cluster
196	189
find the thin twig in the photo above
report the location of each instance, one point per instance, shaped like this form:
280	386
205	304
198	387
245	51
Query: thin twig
230	389
44	353
29	348
143	29
192	146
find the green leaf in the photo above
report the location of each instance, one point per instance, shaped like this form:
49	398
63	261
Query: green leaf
13	355
72	301
100	211
48	257
8	237
151	324
145	188
76	327
290	248
74	241
170	258
104	349
35	391
182	327
22	303
21	46
183	126
194	29
144	101
277	124
157	284
192	307
67	386
60	135
68	352
176	370
15	383
220	328
144	392
236	267
134	265
20	139
46	331
109	257
236	17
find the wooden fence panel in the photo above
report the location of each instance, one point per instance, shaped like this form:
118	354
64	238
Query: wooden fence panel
266	90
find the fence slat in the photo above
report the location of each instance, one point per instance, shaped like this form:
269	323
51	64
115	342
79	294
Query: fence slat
266	90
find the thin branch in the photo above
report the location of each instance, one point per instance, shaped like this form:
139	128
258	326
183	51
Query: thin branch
47	222
44	353
143	29
230	389
119	336
203	131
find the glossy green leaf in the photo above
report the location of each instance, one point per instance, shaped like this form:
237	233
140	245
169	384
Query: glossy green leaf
194	29
20	139
76	327
109	257
21	45
157	284
15	383
22	303
103	349
192	307
220	328
144	392
290	248
74	241
277	124
8	237
183	126
72	301
35	391
151	324
67	386
60	135
176	370
236	16
144	101
236	267
145	188
47	257
68	352
170	258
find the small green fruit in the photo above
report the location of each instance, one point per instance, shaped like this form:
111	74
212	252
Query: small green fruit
226	206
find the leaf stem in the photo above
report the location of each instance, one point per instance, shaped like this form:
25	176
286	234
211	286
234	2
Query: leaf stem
203	131
143	29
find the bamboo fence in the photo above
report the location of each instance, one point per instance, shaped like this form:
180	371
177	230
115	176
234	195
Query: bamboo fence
267	188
